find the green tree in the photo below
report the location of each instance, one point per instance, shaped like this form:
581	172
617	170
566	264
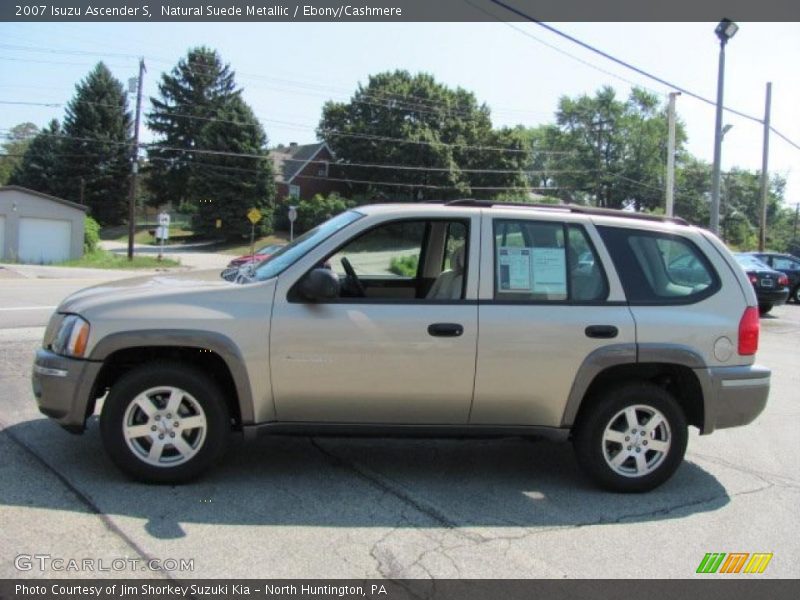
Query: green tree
38	169
443	130
233	173
195	91
612	153
17	142
96	147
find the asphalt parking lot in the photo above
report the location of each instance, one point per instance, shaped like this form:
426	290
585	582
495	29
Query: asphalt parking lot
333	508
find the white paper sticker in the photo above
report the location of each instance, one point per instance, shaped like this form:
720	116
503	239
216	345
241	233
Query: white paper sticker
549	271
514	269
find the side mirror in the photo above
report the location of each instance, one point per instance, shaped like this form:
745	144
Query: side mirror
320	284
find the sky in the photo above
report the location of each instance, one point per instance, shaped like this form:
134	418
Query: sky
288	70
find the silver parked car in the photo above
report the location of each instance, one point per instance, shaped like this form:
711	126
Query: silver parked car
612	329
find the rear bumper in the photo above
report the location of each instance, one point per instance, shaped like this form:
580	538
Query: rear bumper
734	396
776	296
63	388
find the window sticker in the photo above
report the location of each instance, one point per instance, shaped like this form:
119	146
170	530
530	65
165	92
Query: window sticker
549	267
514	269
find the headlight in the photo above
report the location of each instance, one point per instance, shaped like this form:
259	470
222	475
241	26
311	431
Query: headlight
72	337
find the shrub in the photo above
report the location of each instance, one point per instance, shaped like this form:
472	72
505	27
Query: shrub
405	266
91	235
318	209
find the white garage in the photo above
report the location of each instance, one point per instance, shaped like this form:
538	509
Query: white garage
44	241
39	229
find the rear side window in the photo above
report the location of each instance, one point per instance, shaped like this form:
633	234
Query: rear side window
659	268
546	262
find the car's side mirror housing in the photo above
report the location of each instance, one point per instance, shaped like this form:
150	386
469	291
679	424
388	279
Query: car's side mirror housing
319	285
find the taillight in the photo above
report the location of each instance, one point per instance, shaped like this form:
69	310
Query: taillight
753	278
783	281
749	327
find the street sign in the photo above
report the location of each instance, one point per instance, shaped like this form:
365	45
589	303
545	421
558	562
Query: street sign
254	215
163	219
292	213
162	232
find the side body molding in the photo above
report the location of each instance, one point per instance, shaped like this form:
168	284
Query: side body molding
216	342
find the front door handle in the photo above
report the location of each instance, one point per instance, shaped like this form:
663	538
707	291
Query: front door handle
445	329
604	332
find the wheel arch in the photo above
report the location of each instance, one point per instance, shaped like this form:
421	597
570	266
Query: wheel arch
213	353
672	367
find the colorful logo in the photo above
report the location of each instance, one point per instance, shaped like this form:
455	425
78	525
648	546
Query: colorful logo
734	562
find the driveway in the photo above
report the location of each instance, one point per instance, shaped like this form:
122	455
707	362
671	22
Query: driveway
195	256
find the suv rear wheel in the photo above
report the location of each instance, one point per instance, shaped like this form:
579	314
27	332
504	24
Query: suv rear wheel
164	423
632	438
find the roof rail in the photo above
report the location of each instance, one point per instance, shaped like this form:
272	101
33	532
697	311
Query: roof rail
573	208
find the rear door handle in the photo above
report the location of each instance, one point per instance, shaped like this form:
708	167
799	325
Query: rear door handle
445	329
604	332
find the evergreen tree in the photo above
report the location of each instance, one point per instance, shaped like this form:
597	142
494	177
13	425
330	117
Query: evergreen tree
228	185
39	166
96	147
194	91
18	140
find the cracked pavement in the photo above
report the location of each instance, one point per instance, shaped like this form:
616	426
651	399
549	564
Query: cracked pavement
283	507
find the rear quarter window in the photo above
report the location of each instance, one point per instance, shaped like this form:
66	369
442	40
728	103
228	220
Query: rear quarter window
659	268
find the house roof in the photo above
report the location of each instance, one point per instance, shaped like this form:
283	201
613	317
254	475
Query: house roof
289	161
18	188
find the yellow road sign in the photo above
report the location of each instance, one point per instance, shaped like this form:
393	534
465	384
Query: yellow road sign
254	215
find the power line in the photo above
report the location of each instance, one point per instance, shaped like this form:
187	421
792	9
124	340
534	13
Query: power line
619	61
325	132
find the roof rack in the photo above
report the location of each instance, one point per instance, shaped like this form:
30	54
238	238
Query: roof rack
573	208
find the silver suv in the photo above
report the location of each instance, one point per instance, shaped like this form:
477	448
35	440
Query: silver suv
612	329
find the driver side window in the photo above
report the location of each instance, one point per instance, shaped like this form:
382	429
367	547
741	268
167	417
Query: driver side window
404	260
387	252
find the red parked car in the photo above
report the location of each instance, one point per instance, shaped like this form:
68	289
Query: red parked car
260	254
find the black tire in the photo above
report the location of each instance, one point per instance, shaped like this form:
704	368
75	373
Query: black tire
795	295
764	309
205	438
603	412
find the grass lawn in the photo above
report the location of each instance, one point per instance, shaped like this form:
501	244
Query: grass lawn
103	259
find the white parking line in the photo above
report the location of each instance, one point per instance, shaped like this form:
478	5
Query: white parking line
28	308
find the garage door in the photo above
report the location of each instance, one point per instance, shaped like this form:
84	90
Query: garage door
2	235
43	241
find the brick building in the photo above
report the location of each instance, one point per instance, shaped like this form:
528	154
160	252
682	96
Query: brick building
303	170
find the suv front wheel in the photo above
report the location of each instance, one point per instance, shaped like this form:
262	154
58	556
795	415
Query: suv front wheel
164	423
632	438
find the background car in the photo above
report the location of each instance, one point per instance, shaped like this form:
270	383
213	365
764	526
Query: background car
772	287
788	265
258	255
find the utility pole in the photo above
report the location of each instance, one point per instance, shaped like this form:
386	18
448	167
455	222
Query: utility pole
83	191
725	31
135	163
671	154
762	238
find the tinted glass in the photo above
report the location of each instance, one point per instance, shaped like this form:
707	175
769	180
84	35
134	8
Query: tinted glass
658	268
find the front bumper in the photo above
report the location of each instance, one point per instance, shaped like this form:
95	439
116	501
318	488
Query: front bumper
734	396
63	388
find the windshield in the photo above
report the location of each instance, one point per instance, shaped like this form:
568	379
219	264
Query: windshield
287	255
